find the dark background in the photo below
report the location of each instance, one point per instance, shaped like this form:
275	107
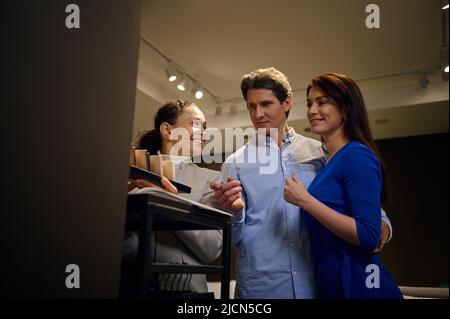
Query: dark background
66	121
418	209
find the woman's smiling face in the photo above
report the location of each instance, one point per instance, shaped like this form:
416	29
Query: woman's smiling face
323	113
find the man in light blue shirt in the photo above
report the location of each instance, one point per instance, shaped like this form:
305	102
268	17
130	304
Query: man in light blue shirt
273	245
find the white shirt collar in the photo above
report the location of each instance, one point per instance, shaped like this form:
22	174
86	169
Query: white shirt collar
176	160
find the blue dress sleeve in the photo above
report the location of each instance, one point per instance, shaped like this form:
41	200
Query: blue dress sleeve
363	182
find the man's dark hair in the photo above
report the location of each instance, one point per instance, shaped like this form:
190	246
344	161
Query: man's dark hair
270	79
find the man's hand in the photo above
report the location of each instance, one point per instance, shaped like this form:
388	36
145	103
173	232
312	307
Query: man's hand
142	183
228	194
384	236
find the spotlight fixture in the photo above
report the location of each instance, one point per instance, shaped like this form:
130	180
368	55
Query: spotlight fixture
199	94
197	91
443	65
171	73
182	85
444	74
176	72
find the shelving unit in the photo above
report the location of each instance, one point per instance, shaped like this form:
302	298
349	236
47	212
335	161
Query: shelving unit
147	214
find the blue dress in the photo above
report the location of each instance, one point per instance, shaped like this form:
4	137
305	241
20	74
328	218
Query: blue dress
351	184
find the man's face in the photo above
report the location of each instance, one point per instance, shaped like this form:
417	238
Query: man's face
266	111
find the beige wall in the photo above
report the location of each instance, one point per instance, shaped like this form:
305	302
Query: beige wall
144	111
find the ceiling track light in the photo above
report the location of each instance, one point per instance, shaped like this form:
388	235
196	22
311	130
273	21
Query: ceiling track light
197	91
171	72
170	75
444	73
174	71
182	85
444	60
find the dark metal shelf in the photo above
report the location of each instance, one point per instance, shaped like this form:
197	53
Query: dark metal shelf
146	215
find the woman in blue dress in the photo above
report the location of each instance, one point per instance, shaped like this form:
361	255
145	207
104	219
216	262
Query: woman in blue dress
341	207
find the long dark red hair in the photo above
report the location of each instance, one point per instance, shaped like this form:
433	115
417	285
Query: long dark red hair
350	101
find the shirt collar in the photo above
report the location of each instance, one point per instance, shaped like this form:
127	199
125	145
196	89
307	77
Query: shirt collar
176	160
289	136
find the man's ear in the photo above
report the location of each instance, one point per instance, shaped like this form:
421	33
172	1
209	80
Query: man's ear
287	104
165	131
